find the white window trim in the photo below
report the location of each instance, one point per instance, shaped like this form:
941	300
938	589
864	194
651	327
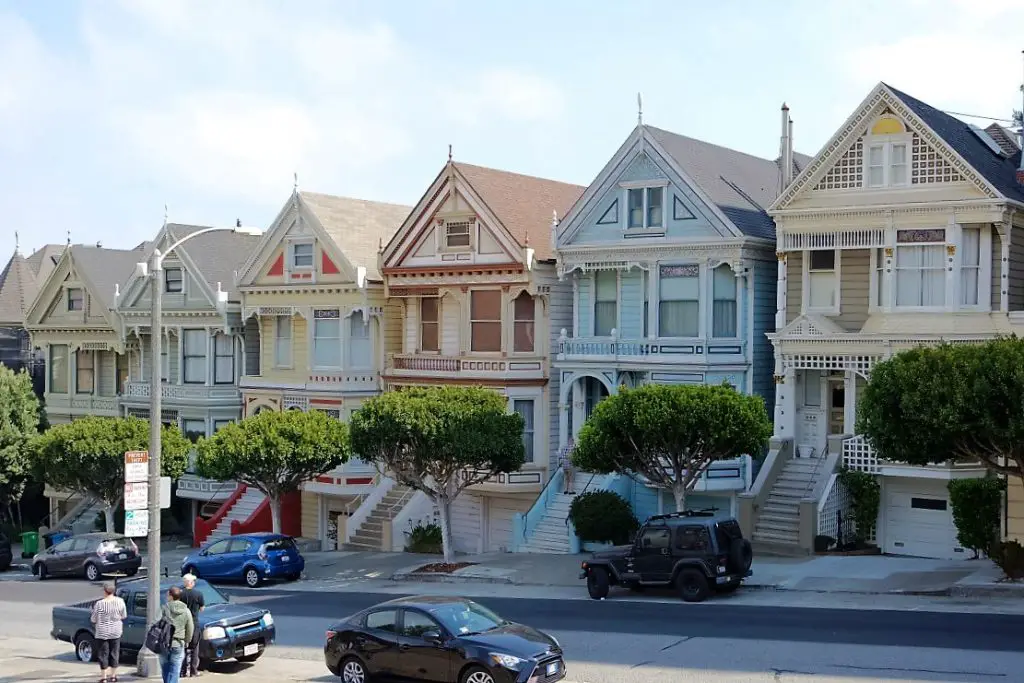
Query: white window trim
311	339
368	324
952	296
644	185
703	310
537	313
805	289
439	322
540	451
291	255
984	270
80	290
442	233
184	286
593	305
710	274
886	142
291	341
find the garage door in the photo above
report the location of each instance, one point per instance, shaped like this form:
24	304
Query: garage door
919	520
500	512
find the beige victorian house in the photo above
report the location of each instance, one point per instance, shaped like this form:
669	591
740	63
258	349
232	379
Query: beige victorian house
905	230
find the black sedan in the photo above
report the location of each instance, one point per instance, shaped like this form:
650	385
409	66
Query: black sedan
440	639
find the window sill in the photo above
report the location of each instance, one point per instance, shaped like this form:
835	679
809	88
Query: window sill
284	367
832	311
644	232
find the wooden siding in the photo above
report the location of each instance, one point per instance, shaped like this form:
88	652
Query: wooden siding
253	361
105	383
1016	284
451	317
393	326
997	269
854	288
763	288
559	311
631	302
310	515
794	284
1014	510
465	514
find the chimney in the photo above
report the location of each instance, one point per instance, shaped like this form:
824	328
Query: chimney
792	162
785	151
238	222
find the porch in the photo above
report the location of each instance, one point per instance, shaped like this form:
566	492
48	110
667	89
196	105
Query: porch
138	394
466	367
649	351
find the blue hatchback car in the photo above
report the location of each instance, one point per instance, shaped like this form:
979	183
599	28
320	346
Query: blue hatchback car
252	558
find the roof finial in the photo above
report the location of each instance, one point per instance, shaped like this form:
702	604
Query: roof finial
380	244
526	241
17	248
69	238
639	109
554	218
295	184
449	152
165	214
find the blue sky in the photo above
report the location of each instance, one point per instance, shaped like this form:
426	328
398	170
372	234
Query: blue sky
111	109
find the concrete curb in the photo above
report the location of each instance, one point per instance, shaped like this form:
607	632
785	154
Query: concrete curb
410	574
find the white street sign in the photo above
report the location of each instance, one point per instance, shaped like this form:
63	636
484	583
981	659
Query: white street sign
165	492
136	523
136	466
136	496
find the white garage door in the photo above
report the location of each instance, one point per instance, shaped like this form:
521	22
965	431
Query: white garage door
500	512
919	520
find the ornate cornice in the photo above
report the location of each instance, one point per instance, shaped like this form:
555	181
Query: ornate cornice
881	212
738	256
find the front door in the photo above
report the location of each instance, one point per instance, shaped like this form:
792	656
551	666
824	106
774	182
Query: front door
836	406
652	556
418	659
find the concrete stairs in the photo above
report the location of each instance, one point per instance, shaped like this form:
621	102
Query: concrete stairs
777	530
241	510
551	535
370	534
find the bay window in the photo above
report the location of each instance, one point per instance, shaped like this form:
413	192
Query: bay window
485	320
359	351
525	408
429	309
85	372
326	339
822	280
723	308
194	355
645	207
223	359
679	301
606	302
920	268
283	341
970	266
59	369
524	312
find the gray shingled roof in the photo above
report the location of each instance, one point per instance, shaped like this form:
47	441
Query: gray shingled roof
21	279
1000	171
105	268
740	184
217	255
357	226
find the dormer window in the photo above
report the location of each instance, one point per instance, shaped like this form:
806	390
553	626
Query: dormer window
457	234
887	161
302	255
173	280
76	299
645	207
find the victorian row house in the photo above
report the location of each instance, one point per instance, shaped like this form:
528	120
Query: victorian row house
905	230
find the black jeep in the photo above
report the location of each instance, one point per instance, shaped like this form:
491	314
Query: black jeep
693	551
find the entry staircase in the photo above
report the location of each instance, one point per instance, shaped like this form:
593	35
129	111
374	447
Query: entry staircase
81	518
241	510
777	530
551	535
370	534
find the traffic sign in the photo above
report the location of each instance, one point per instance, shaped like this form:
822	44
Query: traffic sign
136	466
136	495
136	523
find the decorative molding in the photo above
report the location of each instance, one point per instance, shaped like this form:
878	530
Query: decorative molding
617	257
833	239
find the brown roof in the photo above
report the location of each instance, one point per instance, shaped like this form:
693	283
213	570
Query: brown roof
524	204
357	226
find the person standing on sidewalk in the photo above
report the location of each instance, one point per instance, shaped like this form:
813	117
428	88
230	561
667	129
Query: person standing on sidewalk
108	615
178	615
193	599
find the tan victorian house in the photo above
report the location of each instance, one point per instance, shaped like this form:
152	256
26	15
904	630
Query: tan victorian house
906	229
471	278
316	337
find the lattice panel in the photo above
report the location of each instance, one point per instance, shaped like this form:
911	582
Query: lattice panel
804	361
848	171
928	166
291	401
859	455
835	512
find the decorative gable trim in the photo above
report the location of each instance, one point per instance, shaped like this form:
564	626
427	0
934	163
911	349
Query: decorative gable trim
55	283
809	325
136	285
846	140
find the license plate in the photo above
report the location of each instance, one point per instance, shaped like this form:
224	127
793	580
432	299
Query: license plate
250	649
286	559
122	556
552	669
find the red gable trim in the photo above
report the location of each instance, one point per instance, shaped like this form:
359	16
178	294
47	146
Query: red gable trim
277	268
327	265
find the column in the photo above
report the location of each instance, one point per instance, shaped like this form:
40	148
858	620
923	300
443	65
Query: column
211	356
579	402
780	295
1005	231
785	404
952	263
652	300
564	405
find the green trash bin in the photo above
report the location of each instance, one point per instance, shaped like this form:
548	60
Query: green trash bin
29	543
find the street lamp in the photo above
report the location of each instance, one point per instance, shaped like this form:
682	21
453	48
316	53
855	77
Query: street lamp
147	665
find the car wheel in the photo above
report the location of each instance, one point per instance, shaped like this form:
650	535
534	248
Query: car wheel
91	572
250	658
353	671
728	587
293	577
597	583
476	674
692	585
252	577
41	571
85	648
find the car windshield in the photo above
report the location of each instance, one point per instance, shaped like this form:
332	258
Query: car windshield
280	544
466	618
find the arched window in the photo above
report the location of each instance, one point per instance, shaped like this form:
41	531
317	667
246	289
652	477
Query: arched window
359	350
525	311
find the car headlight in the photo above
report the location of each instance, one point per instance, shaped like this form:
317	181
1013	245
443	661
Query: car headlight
214	632
507	661
268	620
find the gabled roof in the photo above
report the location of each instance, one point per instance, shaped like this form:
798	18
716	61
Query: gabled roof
104	268
741	185
357	226
999	171
216	255
1005	138
524	204
21	279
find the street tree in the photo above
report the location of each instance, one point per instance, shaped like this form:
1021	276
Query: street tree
275	452
86	456
667	436
440	441
19	423
947	403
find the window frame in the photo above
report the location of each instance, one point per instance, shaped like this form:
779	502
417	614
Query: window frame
595	301
662	530
530	323
397	622
473	322
180	281
735	301
644	188
699	277
194	357
350	347
67	369
436	322
80	291
531	449
91	369
278	356
834	309
185	427
217	355
446	235
887	143
293	253
984	268
331	315
894	276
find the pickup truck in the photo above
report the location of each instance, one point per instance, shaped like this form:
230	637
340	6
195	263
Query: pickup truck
229	631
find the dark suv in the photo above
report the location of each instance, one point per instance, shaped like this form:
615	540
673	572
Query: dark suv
695	551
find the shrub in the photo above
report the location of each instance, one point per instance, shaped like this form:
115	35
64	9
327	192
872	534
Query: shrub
976	512
603	517
1009	556
865	499
423	537
822	543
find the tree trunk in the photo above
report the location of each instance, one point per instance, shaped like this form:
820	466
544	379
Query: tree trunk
275	513
108	516
444	506
679	492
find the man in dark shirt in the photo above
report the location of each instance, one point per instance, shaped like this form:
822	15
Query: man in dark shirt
193	599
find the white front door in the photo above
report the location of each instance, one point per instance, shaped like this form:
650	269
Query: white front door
918	520
811	427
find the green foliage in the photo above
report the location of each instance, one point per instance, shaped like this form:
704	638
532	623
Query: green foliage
865	499
977	504
602	517
947	403
670	434
19	423
1009	556
87	455
274	452
424	538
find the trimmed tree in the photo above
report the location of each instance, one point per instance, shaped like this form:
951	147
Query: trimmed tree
87	456
667	436
275	452
19	423
947	403
439	441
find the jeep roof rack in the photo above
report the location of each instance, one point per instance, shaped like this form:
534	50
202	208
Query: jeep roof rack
703	512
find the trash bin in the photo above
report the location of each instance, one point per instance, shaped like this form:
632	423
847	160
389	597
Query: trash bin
55	537
29	543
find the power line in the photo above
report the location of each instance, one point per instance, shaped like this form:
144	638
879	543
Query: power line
977	116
